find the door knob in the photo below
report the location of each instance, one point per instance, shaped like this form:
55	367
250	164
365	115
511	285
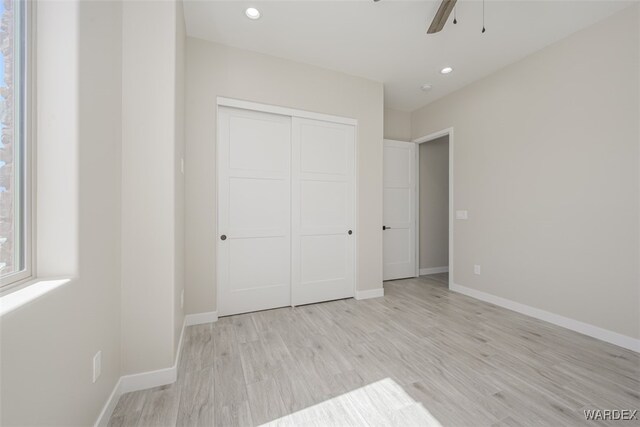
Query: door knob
384	227
350	232
223	237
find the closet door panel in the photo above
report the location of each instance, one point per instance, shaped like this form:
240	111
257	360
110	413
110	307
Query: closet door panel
324	149
258	206
254	211
324	206
320	261
323	211
260	144
248	257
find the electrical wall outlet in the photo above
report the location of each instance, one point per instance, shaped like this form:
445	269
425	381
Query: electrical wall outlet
462	215
476	269
97	365
182	166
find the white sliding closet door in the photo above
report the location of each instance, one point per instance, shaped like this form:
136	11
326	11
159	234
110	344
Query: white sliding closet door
254	211
323	211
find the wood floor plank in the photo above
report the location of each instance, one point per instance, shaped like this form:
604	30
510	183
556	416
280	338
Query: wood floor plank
419	356
234	415
256	364
196	399
293	389
128	410
265	401
161	407
197	351
245	328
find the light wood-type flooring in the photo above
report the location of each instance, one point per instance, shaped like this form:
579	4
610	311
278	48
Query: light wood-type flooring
420	356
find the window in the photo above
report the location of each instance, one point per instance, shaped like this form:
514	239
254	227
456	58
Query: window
15	185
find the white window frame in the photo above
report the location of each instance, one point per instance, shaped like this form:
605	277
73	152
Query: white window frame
14	280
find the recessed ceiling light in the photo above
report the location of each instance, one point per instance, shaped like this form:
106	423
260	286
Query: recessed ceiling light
426	87
446	70
252	13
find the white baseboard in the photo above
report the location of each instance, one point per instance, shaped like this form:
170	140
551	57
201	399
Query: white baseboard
434	270
372	293
141	381
144	380
566	322
135	382
150	379
107	409
200	318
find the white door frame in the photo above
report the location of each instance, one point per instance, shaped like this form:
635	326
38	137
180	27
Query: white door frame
222	101
418	141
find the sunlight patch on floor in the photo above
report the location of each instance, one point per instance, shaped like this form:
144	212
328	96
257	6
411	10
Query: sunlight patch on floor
382	403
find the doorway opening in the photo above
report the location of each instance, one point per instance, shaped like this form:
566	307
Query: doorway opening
404	254
434	206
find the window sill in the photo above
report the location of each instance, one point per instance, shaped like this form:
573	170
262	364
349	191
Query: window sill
29	292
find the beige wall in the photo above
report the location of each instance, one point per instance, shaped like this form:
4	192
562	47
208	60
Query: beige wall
434	203
215	70
397	125
151	185
179	143
546	162
48	344
107	217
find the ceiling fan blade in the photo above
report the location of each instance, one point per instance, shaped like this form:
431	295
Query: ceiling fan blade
441	16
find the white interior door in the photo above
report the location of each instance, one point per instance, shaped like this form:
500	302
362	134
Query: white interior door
399	213
254	211
323	211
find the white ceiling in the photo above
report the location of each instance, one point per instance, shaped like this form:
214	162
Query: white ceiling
387	41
